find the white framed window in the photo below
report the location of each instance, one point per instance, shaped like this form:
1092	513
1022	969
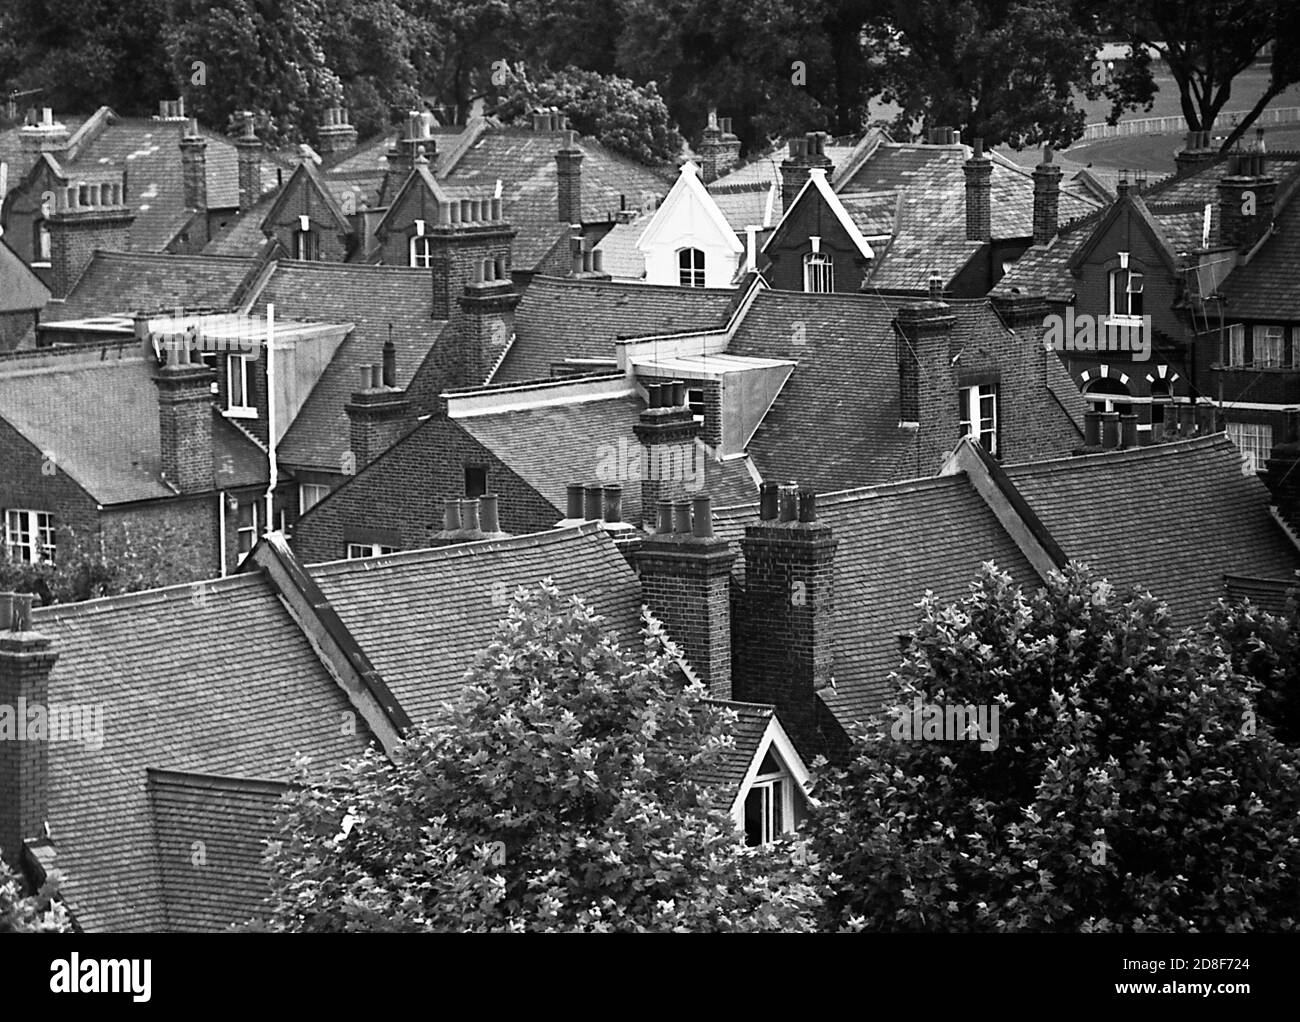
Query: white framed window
245	529
690	267
29	536
1126	293
1254	441
42	245
359	550
306	246
769	803
311	494
818	273
1236	346
978	409
695	401
421	251
1269	342
239	391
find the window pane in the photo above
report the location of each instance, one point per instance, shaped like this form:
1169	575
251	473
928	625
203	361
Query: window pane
778	809
754	816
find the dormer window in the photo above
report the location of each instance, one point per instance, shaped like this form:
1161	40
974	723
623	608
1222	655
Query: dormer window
306	245
818	273
769	803
1125	293
421	252
690	267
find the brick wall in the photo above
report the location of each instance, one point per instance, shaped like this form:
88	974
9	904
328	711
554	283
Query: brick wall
814	218
404	491
74	236
30	481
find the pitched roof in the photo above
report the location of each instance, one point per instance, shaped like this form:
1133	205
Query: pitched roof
424	617
551	445
237	691
23	291
896	542
370	297
1268	287
817	184
560	318
755	204
51	400
122	282
1268	594
729	770
1193	518
688	191
620	257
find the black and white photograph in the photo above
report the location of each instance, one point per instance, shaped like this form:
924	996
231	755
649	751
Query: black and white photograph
650	466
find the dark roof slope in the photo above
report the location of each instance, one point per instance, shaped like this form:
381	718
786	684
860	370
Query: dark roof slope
425	616
116	283
1173	517
895	543
1268	287
559	318
239	665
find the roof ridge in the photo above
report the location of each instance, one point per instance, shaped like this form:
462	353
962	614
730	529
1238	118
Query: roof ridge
854	494
1167	449
144	597
453	551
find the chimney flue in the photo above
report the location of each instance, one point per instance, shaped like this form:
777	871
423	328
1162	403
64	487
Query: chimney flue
681	516
488	514
769	501
702	518
789	502
573	501
613	504
592	503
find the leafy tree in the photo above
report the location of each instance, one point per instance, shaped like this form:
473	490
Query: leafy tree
39	912
1130	788
1007	72
264	55
558	793
628	118
1206	44
1266	648
85	54
370	45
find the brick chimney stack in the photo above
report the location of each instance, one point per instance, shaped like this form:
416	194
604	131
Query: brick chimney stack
568	179
669	464
979	189
1198	150
185	420
249	153
1247	196
1047	198
41	134
194	166
85	217
805	154
686	580
927	393
379	413
467	232
418	135
785	653
26	660
488	319
719	148
336	135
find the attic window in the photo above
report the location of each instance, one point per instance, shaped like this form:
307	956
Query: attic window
769	803
421	252
1125	293
690	267
475	480
978	411
818	273
306	246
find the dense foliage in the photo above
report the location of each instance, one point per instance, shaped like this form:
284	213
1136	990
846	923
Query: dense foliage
1132	787
22	912
560	792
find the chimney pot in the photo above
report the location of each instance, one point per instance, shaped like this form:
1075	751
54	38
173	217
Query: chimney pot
593	503
1109	430
573	497
769	501
682	516
613	504
15	612
678	394
702	517
664	525
1092	429
469	514
1128	425
390	364
807	504
789	502
488	513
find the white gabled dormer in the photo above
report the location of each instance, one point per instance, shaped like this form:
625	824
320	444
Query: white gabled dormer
688	241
